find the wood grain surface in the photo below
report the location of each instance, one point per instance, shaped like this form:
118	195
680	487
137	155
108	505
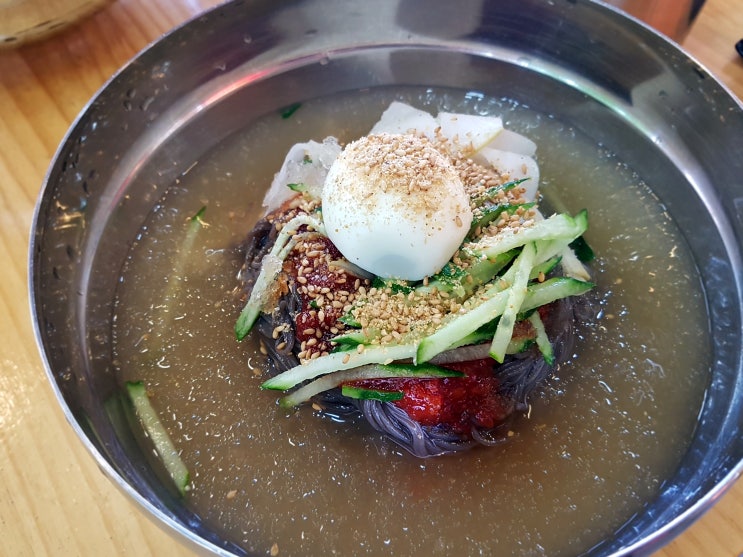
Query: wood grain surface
53	498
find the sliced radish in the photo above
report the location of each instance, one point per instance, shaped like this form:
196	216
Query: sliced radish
469	132
403	118
517	166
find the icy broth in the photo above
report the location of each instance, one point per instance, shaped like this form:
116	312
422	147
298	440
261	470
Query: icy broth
600	437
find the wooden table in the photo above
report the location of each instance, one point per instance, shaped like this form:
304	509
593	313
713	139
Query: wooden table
53	499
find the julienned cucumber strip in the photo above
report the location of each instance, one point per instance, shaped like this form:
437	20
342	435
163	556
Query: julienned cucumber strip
339	361
197	221
159	436
582	250
550	238
270	267
572	266
333	380
560	226
516	294
543	341
490	304
349	366
536	295
544	268
481	271
518	343
461	326
350	339
554	289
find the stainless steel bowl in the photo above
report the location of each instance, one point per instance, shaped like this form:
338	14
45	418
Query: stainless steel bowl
608	76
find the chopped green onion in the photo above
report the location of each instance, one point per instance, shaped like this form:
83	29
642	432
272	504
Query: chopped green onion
198	218
289	111
582	250
491	193
483	216
362	393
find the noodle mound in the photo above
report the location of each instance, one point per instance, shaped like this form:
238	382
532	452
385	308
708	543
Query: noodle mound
518	376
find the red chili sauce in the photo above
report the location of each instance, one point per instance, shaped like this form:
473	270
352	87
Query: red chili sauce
461	403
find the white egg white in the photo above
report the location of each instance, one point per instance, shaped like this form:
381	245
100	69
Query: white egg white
379	218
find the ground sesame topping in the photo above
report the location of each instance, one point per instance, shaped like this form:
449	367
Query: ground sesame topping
408	165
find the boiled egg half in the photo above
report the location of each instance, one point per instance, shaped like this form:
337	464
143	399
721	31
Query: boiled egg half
395	206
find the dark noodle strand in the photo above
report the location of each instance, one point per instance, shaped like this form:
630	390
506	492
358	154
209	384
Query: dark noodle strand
284	318
499	434
522	373
281	353
394	423
278	360
338	407
257	244
420	441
